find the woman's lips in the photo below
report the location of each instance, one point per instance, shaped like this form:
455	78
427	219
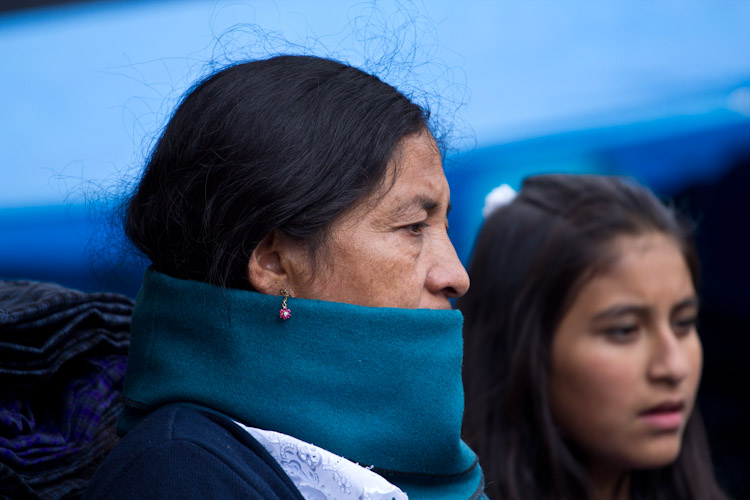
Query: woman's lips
666	416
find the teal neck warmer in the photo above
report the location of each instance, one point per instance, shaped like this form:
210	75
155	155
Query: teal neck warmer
379	386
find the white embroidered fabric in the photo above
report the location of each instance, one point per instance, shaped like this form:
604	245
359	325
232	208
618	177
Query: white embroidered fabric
321	475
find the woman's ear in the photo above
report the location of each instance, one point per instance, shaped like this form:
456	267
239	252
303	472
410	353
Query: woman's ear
274	265
264	271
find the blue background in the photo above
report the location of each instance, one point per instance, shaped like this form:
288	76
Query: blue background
656	90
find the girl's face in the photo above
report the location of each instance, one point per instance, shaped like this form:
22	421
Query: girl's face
626	358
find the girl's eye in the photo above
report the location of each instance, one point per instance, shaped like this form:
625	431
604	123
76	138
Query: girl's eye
684	326
621	333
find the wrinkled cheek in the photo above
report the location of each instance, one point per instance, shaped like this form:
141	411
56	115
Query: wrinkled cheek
389	284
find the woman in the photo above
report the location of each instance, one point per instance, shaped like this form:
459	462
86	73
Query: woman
293	337
582	357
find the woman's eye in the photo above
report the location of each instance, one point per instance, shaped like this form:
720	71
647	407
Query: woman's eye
416	228
684	326
621	333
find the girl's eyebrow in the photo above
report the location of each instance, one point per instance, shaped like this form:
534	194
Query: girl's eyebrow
687	303
619	310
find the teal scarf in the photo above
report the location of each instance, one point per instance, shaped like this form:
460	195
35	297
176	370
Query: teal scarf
379	386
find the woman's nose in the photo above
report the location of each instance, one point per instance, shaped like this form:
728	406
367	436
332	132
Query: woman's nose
447	275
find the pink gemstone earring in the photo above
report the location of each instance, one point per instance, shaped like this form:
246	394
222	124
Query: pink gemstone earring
285	313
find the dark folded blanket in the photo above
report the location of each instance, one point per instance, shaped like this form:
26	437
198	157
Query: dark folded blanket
62	364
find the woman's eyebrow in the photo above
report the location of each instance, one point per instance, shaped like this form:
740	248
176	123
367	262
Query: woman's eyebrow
417	203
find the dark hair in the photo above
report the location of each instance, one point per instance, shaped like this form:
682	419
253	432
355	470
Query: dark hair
288	143
531	259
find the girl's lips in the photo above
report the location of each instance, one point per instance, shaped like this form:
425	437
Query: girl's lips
666	416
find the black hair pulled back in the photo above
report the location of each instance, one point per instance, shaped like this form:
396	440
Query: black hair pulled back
288	143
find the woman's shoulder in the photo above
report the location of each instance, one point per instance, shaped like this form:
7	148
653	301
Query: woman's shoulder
187	452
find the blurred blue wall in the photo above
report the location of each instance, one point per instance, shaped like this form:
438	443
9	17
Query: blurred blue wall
657	91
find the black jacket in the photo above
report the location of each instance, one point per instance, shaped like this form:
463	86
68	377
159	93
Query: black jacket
187	453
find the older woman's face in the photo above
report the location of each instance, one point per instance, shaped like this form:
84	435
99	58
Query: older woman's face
394	251
626	358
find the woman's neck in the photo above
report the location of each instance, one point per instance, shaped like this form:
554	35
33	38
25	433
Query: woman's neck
609	483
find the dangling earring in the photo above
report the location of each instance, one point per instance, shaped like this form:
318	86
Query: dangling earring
285	313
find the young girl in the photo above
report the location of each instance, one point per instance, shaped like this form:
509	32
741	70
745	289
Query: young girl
582	355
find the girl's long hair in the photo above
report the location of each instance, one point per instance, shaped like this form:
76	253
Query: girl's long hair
531	259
